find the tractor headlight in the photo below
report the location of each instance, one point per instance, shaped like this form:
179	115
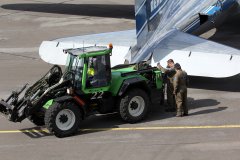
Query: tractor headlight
70	91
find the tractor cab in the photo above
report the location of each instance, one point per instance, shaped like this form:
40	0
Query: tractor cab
89	68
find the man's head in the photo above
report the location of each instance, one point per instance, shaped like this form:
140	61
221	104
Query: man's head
170	63
177	66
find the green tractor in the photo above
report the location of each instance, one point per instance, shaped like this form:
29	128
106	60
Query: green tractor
88	86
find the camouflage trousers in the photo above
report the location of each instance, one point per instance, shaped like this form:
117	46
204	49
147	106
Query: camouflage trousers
170	99
181	103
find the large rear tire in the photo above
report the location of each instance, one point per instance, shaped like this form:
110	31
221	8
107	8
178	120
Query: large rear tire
63	119
134	106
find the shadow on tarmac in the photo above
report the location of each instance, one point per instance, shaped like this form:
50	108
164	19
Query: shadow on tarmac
156	113
199	103
96	10
99	123
208	111
35	132
231	84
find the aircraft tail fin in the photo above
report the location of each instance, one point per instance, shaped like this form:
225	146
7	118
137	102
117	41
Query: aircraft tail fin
155	16
152	14
147	18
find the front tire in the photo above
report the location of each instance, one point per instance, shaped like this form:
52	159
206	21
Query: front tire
134	106
63	119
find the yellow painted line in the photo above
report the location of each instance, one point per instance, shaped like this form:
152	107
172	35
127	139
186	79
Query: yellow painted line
162	128
129	129
24	131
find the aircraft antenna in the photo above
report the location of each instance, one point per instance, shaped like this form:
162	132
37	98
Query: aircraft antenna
83	47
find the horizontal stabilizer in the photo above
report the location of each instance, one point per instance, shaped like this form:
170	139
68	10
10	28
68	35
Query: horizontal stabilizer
198	56
52	51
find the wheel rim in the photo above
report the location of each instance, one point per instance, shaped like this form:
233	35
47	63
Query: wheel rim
65	119
136	106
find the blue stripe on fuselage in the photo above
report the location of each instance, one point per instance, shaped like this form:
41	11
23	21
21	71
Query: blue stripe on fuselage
226	4
146	11
213	10
155	7
141	18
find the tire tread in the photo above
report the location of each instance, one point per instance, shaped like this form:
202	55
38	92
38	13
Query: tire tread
123	106
50	116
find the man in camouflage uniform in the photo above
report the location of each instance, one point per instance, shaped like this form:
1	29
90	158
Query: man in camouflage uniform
169	73
180	82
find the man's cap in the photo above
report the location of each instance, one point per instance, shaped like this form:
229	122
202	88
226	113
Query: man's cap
177	66
170	60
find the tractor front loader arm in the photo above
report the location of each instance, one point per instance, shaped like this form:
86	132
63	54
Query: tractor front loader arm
17	109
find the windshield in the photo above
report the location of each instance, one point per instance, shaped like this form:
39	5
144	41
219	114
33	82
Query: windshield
74	69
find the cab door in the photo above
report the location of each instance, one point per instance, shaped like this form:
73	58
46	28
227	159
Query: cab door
98	76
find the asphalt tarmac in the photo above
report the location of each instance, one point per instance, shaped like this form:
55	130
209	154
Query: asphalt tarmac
211	131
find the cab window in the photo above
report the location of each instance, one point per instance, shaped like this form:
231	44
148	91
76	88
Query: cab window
98	72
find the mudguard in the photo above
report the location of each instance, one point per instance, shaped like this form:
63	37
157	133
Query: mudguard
131	83
76	99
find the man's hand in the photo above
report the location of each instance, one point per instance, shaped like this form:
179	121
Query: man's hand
159	65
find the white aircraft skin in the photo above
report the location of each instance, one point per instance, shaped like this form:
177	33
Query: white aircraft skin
52	51
165	29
